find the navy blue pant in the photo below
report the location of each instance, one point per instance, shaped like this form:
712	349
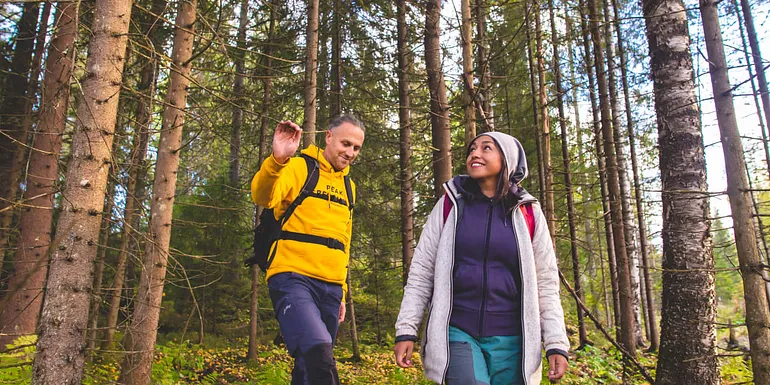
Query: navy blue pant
307	311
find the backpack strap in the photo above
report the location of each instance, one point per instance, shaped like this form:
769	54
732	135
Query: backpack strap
349	191
447	206
529	217
308	190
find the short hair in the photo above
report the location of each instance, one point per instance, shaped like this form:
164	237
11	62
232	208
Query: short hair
346	118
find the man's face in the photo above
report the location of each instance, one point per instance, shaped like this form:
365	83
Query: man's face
343	144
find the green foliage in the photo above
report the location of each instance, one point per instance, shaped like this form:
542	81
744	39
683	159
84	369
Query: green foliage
16	361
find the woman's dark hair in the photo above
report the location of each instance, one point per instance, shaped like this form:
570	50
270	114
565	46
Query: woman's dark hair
502	188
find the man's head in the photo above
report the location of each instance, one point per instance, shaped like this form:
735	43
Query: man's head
343	141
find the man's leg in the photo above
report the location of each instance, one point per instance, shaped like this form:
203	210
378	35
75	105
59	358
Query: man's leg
297	301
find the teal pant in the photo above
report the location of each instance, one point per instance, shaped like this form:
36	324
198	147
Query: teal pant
484	361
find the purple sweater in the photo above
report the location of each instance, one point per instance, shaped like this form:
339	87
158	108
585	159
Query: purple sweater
487	281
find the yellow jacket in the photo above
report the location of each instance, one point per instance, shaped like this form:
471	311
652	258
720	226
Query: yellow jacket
276	185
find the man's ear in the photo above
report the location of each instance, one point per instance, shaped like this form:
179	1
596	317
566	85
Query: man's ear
328	136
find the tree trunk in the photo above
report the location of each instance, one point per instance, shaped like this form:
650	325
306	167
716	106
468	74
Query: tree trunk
240	75
466	38
629	228
644	248
439	105
762	126
352	314
133	205
582	334
251	355
336	83
484	73
311	64
137	364
535	114
11	135
627	326
688	333
60	350
405	142
545	128
602	170
36	220
757	311
96	299
759	68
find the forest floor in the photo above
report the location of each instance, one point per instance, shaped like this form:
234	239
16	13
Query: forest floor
187	363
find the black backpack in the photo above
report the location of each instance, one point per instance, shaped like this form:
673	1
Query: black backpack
270	229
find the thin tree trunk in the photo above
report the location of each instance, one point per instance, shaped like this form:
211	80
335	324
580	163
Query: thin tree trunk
237	121
60	355
582	334
602	170
644	248
756	54
252	355
629	228
439	105
311	74
466	38
35	222
627	326
352	314
133	205
757	310
545	128
765	141
485	75
405	142
337	43
137	364
11	135
96	299
535	114
688	333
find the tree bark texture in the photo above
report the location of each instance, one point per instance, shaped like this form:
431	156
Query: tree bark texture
266	104
439	105
484	72
137	364
12	137
63	321
335	107
466	37
20	313
311	74
602	169
545	127
240	75
643	246
582	334
627	325
535	113
757	311
688	333
629	227
96	298
405	142
136	165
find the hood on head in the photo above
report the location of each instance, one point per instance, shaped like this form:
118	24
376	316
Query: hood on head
514	155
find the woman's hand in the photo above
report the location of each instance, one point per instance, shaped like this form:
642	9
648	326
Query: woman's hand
404	351
557	366
286	140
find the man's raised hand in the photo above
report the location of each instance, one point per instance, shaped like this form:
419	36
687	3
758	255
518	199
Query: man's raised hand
286	140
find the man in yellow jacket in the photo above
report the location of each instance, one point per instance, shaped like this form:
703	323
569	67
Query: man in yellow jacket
307	275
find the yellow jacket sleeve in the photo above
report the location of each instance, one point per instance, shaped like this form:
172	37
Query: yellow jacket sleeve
275	183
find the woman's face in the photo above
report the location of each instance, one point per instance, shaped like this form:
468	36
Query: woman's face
485	160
